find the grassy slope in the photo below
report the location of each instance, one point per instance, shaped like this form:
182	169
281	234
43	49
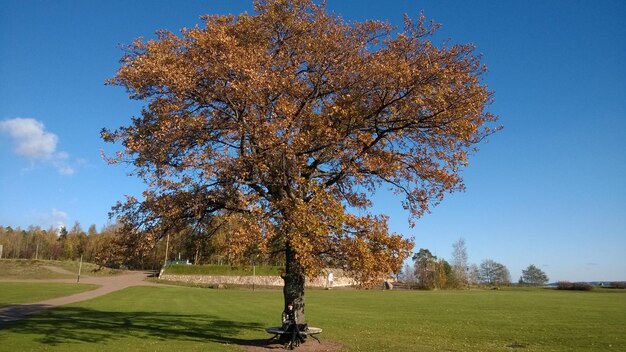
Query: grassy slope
192	319
89	269
28	292
24	269
28	270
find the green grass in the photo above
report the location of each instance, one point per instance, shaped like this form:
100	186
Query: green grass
25	269
224	270
538	320
193	319
28	292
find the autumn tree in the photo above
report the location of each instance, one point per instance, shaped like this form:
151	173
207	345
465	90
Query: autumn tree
533	276
75	242
285	121
92	231
106	247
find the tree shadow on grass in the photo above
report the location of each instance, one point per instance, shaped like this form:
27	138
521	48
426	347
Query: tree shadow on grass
66	325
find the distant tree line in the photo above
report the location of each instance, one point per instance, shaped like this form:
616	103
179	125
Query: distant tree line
59	243
430	272
109	248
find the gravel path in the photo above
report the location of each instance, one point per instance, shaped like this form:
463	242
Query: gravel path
107	285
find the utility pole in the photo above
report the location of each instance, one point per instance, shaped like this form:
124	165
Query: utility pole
167	248
80	266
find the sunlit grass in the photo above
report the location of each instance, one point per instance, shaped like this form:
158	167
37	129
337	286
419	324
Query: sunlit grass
194	319
28	292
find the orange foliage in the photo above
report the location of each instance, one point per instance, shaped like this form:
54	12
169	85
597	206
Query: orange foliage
288	119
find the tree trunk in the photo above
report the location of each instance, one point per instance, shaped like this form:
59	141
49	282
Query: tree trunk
293	291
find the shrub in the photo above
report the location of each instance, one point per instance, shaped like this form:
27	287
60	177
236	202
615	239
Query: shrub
582	286
577	286
564	285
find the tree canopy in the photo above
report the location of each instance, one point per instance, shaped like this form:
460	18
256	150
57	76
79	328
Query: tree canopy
493	273
285	121
533	276
431	272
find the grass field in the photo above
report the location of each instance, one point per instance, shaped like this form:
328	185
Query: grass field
194	319
29	292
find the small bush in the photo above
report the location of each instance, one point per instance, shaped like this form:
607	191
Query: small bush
564	285
583	286
574	286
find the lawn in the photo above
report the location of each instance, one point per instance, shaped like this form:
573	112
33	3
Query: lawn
195	319
29	292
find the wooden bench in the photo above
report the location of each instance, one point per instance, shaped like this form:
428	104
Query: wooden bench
278	331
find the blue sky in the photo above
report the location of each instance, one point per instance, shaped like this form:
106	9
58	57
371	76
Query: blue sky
548	190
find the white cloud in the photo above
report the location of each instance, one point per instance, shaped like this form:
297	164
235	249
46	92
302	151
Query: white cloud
35	143
58	217
55	218
31	138
60	163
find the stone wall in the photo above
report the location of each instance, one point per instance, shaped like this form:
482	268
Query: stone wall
339	281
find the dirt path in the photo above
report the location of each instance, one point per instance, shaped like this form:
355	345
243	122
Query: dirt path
56	269
107	285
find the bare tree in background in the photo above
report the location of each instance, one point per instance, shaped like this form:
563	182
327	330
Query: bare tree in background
459	262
